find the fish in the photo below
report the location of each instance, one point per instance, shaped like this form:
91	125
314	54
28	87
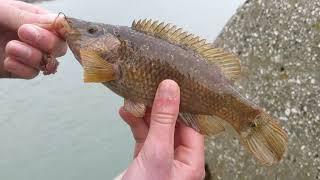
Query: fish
132	60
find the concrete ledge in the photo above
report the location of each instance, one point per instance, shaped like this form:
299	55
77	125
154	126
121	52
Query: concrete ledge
279	46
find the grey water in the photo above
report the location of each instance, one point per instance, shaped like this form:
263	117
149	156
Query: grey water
57	127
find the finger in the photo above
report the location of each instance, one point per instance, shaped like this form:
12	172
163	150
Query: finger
18	69
191	148
28	7
24	53
42	39
13	17
147	116
177	134
138	127
163	118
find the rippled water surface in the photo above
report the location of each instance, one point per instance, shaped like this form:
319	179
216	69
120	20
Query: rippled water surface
57	127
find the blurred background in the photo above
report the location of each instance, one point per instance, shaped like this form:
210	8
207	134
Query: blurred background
57	127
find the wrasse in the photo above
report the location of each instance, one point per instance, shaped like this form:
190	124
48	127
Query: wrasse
132	61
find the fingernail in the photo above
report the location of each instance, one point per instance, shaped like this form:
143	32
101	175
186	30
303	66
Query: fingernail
168	89
22	51
30	33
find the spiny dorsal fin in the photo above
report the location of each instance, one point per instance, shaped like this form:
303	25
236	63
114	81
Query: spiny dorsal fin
229	64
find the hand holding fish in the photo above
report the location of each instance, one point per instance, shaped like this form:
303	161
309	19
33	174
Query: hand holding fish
25	47
165	149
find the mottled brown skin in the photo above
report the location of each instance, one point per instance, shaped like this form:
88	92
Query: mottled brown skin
132	64
141	62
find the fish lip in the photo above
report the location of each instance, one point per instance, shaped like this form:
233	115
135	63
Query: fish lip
68	21
63	26
71	36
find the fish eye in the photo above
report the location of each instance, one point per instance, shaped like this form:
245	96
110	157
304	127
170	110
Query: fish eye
92	30
253	125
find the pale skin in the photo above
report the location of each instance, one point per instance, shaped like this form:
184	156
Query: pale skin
23	45
165	148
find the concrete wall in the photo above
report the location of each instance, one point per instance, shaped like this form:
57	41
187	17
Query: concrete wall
279	46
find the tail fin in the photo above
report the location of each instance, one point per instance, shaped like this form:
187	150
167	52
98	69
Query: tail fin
265	139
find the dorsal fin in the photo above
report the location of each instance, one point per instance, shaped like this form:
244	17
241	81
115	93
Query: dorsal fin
229	63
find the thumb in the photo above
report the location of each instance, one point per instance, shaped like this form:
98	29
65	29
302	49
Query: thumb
163	118
12	17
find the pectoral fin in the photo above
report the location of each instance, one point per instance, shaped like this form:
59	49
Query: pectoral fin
136	109
204	124
96	69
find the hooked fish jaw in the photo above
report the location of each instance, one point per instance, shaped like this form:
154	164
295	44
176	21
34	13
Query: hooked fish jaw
94	48
90	37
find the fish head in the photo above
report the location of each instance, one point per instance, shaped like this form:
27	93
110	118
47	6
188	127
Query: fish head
83	37
96	49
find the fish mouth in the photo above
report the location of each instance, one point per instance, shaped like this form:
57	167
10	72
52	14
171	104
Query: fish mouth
62	26
67	28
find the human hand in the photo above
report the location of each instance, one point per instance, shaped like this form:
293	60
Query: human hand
22	45
164	149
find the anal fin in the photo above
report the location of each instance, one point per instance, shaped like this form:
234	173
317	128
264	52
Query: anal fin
207	125
211	126
190	120
136	109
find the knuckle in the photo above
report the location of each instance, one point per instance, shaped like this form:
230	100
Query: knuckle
10	44
160	160
31	75
139	139
50	44
59	48
196	174
36	56
158	154
37	37
7	64
164	118
20	17
10	47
